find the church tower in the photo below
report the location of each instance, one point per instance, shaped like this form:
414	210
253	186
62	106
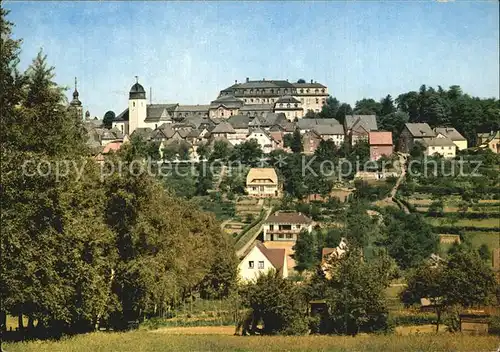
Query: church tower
136	107
76	104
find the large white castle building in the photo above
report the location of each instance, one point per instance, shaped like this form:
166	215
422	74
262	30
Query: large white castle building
251	98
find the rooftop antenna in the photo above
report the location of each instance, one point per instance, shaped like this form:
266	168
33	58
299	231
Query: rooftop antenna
75	83
136	79
151	95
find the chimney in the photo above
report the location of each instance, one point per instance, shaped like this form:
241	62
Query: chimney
311	81
248	79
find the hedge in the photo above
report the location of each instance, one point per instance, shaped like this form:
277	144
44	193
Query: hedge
459	229
415	319
492	215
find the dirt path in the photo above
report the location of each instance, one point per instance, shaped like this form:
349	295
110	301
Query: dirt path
390	199
196	330
221	176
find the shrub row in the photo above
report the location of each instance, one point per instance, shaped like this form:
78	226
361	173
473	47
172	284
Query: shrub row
415	319
459	229
449	190
492	215
155	323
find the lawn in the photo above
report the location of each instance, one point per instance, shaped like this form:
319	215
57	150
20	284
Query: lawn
492	239
486	223
143	341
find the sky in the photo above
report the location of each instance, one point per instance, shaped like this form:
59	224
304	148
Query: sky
186	52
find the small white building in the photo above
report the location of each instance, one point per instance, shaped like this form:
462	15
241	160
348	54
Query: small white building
264	139
286	226
262	182
439	145
259	260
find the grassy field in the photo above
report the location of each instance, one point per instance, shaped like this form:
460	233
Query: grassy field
492	239
144	341
487	223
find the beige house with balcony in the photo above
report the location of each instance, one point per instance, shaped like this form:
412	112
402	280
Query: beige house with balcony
286	226
262	183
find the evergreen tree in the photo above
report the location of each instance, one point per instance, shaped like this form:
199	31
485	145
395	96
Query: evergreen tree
296	144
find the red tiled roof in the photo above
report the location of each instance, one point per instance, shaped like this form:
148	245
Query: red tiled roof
112	147
326	251
275	255
288	218
380	138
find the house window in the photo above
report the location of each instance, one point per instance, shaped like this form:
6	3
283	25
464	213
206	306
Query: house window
317	101
289	236
261	264
250	264
323	90
280	236
133	103
271	227
251	100
302	91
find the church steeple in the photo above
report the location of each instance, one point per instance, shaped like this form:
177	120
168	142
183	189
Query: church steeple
76	101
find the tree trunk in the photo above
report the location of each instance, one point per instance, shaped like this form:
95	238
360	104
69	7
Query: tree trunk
438	313
3	320
20	324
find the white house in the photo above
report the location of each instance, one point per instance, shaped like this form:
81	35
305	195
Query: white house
451	133
439	145
265	140
286	226
259	260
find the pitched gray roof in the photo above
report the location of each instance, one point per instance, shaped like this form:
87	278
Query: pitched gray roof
307	124
261	84
361	122
450	132
192	108
144	132
436	142
160	112
123	116
228	101
198	121
309	85
257	107
239	121
268	119
420	130
223	127
329	129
